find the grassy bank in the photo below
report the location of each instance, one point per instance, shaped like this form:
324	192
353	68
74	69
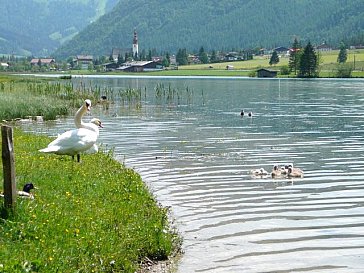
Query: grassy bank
94	216
23	97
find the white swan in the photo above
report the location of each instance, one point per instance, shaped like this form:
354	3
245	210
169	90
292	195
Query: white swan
80	124
74	142
86	106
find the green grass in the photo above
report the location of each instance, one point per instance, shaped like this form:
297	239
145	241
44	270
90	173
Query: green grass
22	97
94	216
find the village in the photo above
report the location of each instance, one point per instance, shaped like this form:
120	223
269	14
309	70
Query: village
131	60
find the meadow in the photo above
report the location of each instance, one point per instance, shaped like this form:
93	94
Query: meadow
328	59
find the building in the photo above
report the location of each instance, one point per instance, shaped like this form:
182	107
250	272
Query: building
265	73
231	56
323	47
141	66
4	66
47	62
281	50
83	61
110	66
135	44
356	47
116	52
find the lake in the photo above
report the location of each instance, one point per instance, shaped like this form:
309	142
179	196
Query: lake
195	151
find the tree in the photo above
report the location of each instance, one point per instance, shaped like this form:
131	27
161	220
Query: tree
143	55
202	55
308	63
149	57
344	70
294	56
213	57
342	57
111	58
166	60
120	60
128	57
274	59
181	57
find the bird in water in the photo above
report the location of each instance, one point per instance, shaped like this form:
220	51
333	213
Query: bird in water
276	172
242	113
259	172
294	172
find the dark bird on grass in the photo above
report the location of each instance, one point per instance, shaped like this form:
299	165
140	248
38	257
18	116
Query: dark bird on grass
25	193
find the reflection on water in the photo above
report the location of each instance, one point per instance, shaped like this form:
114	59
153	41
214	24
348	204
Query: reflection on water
196	157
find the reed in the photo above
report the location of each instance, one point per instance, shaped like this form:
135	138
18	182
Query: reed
169	95
22	98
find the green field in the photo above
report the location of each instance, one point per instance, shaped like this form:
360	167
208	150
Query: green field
93	216
328	58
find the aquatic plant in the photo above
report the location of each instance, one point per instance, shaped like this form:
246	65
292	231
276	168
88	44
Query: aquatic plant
171	95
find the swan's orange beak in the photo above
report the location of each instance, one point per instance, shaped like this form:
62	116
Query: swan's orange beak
100	125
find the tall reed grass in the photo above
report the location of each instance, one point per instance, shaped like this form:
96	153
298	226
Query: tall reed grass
22	98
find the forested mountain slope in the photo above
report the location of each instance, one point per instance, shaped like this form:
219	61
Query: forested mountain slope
40	26
215	24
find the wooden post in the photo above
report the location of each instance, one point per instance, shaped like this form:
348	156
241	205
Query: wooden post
8	167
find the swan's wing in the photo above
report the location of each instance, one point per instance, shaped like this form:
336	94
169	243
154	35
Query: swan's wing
94	149
72	142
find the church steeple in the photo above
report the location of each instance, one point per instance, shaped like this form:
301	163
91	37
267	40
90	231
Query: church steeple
135	44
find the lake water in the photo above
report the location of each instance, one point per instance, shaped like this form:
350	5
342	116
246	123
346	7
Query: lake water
195	152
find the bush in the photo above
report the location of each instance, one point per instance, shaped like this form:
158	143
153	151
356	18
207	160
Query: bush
284	70
344	71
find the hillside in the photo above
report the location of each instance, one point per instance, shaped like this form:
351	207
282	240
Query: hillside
169	25
38	27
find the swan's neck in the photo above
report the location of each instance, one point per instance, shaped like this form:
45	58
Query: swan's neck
78	117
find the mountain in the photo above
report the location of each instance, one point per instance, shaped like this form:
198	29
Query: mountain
167	25
38	27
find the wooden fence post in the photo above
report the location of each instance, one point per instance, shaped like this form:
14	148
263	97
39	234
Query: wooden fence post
10	192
